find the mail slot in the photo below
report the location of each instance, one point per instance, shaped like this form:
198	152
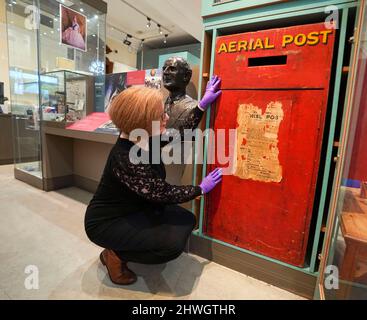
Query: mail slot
275	90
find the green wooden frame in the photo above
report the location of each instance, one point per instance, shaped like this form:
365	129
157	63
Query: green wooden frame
334	225
291	9
208	8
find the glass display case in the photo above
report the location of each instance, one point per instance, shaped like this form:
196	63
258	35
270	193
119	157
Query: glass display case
343	266
24	92
64	96
50	78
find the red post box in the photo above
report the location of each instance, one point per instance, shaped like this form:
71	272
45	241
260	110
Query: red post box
275	90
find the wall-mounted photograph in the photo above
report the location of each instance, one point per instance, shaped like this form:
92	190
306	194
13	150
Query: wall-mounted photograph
73	28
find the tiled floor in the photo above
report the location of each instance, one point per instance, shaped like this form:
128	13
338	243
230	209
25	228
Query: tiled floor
45	229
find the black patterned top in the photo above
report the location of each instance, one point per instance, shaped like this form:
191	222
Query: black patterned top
148	181
127	187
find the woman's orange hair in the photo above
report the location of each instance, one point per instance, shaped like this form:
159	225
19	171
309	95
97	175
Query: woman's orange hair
136	108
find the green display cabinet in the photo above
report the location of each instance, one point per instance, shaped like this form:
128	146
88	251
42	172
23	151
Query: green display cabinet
222	18
343	267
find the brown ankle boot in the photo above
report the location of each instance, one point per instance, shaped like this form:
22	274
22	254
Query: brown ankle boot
117	270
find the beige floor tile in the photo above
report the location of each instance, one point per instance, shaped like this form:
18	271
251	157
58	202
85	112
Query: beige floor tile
3	295
218	282
46	229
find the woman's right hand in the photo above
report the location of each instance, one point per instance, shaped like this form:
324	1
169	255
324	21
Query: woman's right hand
212	92
211	180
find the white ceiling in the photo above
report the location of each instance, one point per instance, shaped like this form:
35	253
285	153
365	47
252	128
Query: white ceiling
180	19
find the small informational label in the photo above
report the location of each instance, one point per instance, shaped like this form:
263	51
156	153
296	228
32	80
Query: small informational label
257	153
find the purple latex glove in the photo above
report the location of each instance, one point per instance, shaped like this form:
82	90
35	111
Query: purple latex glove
212	92
211	180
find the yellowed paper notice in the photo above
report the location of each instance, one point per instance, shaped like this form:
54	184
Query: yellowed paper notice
257	153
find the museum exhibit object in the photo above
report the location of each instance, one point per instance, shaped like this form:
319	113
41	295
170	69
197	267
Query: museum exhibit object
279	120
65	96
343	266
285	74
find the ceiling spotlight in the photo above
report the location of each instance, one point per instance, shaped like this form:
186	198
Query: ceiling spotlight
127	41
159	29
142	43
165	38
148	23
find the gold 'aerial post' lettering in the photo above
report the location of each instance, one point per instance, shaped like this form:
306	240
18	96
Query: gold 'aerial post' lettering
250	44
268	45
242	45
232	46
258	44
300	39
325	35
287	39
313	38
222	48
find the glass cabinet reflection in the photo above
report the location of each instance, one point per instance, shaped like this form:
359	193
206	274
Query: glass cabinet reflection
343	274
64	96
24	90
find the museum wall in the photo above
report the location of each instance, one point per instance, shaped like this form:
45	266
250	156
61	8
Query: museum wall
151	56
123	56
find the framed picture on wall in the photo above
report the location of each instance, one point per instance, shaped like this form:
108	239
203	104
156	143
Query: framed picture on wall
73	28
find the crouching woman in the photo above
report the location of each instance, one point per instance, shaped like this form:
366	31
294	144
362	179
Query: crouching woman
134	214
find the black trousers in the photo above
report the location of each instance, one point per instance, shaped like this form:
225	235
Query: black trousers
147	237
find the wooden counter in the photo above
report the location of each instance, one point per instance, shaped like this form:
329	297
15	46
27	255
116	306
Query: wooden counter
82	135
72	157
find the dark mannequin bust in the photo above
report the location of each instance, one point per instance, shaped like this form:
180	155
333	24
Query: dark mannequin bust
176	76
